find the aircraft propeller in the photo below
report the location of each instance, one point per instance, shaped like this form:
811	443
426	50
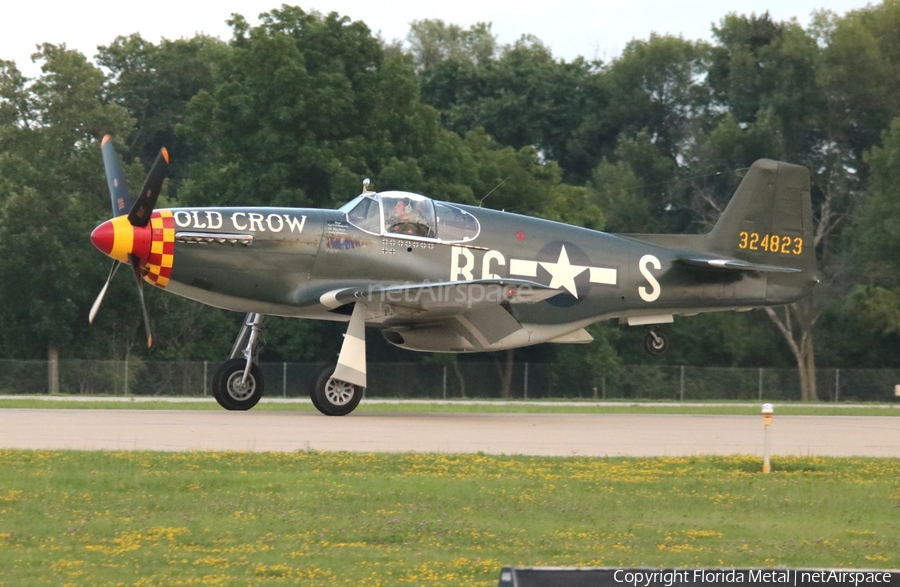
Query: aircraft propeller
119	237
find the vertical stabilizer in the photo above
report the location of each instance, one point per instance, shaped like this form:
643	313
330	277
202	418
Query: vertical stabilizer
769	222
769	219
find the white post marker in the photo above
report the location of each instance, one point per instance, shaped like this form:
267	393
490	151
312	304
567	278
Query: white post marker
767	411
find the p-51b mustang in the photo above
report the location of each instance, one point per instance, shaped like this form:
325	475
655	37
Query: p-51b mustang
442	277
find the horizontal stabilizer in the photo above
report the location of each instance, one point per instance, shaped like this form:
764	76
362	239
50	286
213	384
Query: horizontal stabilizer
734	265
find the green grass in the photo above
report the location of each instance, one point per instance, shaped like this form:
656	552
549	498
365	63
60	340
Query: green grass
522	406
319	518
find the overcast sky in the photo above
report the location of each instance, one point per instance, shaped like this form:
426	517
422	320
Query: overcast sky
591	28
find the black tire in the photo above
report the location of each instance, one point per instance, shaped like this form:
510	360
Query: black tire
226	386
333	397
656	343
326	371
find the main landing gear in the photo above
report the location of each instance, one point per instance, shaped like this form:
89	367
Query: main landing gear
238	382
334	397
336	391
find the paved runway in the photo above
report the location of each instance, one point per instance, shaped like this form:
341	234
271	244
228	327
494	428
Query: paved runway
530	434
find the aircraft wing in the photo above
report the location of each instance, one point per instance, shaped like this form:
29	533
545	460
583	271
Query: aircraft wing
733	264
478	311
445	298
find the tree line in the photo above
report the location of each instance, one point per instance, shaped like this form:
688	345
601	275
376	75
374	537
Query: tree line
297	109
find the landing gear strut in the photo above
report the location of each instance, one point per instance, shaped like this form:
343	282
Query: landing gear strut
238	383
656	343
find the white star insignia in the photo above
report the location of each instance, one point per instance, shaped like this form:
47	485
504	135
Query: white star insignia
563	272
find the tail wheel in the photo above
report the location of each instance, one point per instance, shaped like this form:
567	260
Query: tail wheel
656	343
334	397
232	391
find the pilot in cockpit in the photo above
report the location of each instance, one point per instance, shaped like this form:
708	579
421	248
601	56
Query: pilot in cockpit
401	212
404	219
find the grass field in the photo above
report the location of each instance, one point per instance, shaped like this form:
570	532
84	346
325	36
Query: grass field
522	406
315	518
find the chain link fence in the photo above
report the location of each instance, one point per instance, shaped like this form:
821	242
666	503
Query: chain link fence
460	379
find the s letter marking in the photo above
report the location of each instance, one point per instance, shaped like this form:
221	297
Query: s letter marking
644	265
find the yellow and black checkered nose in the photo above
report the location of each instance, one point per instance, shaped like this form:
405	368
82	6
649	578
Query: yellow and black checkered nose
153	245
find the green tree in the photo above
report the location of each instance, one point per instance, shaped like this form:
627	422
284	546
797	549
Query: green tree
154	83
303	107
519	94
640	191
860	74
759	64
433	42
617	190
768	76
657	87
875	233
52	180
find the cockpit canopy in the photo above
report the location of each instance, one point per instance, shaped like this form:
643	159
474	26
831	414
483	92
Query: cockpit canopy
408	215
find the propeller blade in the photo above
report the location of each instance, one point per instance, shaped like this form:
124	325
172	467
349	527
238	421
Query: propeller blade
146	202
115	178
99	299
139	279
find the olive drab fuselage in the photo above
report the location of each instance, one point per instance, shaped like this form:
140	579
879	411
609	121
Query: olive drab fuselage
285	262
441	277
